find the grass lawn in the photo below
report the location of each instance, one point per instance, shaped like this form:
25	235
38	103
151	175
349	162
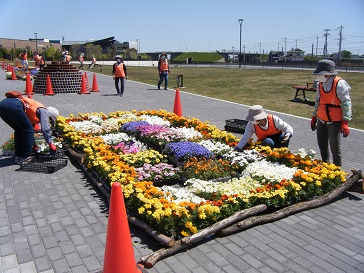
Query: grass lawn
270	88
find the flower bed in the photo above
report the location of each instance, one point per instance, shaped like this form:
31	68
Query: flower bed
219	182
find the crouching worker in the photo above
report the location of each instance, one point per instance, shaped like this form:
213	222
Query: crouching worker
269	129
22	114
45	116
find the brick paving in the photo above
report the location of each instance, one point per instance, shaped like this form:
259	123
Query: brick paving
57	222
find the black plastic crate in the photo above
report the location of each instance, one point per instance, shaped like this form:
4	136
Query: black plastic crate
46	163
236	125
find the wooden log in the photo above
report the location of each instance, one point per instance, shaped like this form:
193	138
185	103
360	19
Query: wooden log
267	218
163	239
79	157
151	259
224	223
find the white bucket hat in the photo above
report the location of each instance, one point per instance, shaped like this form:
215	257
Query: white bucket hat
53	113
256	112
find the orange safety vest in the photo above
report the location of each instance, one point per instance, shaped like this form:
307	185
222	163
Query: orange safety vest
80	58
163	66
24	56
329	108
271	130
30	109
41	61
94	60
119	70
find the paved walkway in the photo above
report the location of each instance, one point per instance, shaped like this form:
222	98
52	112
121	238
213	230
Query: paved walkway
57	222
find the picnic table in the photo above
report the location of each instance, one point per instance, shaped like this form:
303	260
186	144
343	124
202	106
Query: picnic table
311	87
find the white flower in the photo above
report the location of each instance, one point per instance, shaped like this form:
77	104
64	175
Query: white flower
271	171
216	147
181	194
155	120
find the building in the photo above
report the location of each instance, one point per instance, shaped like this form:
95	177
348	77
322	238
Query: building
30	45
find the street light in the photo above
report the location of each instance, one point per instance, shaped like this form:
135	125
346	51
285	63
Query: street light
36	41
241	24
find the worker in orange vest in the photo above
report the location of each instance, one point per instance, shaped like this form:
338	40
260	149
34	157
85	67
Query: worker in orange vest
22	114
24	60
93	62
163	69
66	57
119	73
332	111
81	59
269	129
41	61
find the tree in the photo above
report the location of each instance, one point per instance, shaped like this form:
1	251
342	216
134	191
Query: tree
53	54
346	54
93	50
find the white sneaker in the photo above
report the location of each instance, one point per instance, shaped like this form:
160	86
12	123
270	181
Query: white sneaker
27	160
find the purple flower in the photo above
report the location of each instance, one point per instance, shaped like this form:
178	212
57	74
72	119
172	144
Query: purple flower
185	150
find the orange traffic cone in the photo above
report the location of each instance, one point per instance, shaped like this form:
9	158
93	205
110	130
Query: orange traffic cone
95	86
2	65
177	104
8	68
86	78
49	89
37	127
28	85
83	86
13	77
119	253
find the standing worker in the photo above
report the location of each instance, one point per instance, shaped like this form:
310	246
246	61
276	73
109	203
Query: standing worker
332	111
24	60
119	74
81	59
269	129
41	61
163	69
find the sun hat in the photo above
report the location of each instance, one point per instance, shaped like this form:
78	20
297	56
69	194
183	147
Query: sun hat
256	112
325	67
53	113
118	57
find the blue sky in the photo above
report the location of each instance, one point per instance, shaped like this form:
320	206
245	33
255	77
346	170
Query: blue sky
199	25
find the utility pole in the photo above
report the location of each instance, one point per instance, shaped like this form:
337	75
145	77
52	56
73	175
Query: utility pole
285	49
278	46
316	45
340	41
241	25
295	55
260	52
325	45
312	54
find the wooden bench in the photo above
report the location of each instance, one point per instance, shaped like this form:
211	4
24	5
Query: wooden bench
303	88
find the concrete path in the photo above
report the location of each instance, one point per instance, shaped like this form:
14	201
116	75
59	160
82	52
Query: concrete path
57	222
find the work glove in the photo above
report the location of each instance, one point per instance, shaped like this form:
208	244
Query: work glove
344	128
52	148
237	149
286	137
36	149
313	123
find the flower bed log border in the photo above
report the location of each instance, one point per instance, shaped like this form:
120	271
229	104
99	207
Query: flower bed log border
239	221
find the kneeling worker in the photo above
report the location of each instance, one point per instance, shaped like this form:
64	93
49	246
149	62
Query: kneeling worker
269	129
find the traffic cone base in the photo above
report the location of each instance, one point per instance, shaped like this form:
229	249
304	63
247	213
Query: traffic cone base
119	252
95	86
13	77
177	109
49	89
83	86
28	85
